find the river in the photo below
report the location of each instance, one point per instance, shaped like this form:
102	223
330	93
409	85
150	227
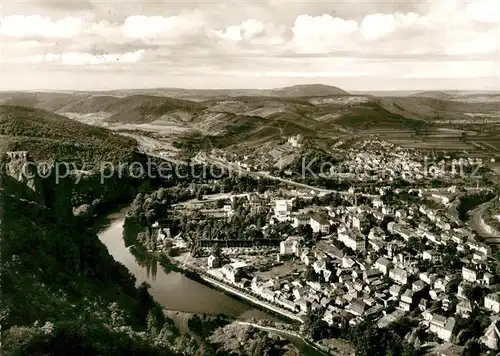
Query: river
172	289
175	291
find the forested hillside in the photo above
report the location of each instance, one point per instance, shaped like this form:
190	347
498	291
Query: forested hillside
49	136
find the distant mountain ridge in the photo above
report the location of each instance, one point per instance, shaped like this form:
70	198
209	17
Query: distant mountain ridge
227	118
290	91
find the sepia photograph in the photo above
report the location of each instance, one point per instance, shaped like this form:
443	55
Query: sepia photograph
250	178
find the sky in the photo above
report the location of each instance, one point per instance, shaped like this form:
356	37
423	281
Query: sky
356	45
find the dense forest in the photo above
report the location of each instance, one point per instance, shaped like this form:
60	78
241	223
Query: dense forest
470	202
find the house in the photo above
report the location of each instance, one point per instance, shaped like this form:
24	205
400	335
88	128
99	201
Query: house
352	239
400	214
422	306
232	271
256	285
348	262
302	304
376	286
491	336
325	302
479	257
377	203
383	265
358	285
402	231
469	274
371	274
319	224
319	265
376	234
418	286
288	304
378	215
268	294
399	275
462	287
395	290
427	277
476	246
488	279
301	220
376	245
329	315
434	293
306	257
492	302
443	327
283	209
406	301
442	284
357	307
291	246
213	261
464	308
428	255
300	293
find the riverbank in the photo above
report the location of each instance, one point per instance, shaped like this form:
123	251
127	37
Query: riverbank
226	287
203	277
172	289
478	223
290	335
179	294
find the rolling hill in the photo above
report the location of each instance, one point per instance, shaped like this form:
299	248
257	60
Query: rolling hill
49	136
435	95
322	114
428	108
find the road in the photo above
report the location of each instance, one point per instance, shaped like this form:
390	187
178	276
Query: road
477	222
312	348
203	158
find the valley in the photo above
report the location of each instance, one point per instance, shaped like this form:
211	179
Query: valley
256	199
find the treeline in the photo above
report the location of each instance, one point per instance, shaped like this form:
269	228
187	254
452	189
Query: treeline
148	208
470	202
367	338
63	294
54	137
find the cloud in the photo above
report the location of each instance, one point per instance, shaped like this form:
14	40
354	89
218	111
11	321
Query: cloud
231	33
451	69
247	30
82	59
484	11
234	39
299	74
252	28
35	26
321	33
162	28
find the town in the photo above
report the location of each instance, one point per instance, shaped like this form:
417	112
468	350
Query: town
398	254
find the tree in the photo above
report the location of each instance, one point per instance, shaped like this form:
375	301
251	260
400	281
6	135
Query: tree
117	315
216	251
312	323
306	231
152	322
195	248
472	348
220	203
415	244
310	275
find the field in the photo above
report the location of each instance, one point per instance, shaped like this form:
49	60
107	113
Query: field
262	120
